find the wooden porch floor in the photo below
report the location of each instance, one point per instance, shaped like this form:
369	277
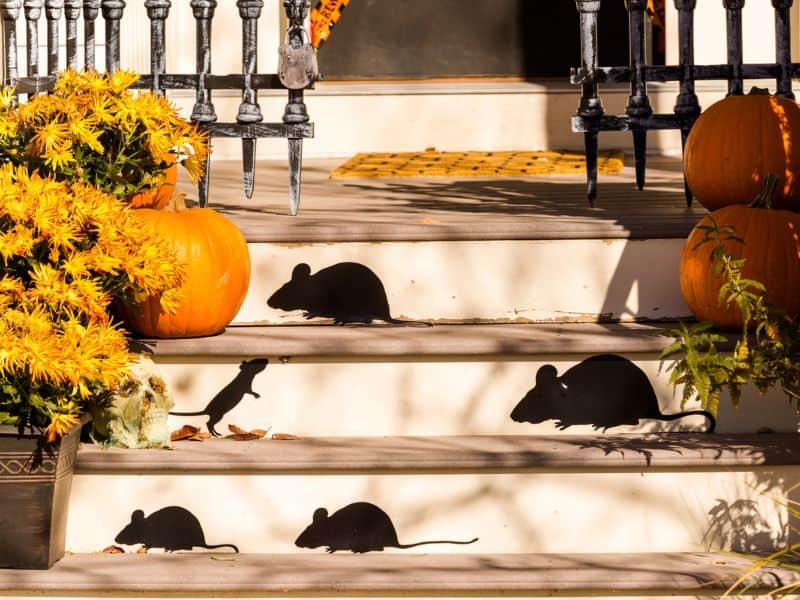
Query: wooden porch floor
536	207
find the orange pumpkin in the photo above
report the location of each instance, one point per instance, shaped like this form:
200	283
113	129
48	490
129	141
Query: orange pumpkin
157	197
217	275
736	142
771	247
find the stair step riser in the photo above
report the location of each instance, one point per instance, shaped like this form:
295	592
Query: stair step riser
510	513
448	397
488	281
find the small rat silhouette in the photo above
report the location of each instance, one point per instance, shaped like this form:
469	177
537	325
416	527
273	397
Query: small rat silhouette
605	390
358	527
346	292
171	528
231	395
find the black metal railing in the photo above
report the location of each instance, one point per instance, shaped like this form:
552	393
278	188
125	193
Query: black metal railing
639	117
249	124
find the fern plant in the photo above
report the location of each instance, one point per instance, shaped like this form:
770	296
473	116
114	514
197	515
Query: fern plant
767	353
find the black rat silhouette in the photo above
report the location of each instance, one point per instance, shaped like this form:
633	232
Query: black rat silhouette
171	528
346	292
605	391
358	527
231	395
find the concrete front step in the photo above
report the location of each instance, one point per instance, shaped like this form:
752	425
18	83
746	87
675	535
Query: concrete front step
377	576
516	494
441	380
665	452
483	249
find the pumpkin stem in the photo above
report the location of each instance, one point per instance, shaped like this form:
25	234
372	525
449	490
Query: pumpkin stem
177	203
757	91
764	198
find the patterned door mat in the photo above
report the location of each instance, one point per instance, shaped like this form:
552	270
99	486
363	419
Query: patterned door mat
473	164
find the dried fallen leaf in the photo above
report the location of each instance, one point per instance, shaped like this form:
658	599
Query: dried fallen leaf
240	435
112	550
284	436
184	433
199	437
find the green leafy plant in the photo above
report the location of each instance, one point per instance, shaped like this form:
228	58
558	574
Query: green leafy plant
767	353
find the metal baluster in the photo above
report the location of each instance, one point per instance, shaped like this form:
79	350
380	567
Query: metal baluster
9	10
783	45
158	11
72	12
203	111
295	112
638	102
91	8
249	111
53	9
112	13
33	10
734	29
686	104
590	105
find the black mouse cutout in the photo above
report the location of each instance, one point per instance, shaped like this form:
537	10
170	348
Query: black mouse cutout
171	528
358	527
231	395
605	391
346	292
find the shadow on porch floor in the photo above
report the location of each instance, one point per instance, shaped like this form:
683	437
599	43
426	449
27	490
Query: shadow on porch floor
536	207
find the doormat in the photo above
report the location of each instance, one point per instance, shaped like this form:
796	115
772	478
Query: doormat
473	164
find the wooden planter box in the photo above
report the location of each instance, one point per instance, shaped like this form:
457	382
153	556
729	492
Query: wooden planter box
35	484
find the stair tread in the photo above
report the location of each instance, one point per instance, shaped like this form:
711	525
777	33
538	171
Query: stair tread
442	208
200	574
288	341
435	454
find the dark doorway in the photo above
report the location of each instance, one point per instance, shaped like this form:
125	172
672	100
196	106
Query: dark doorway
421	39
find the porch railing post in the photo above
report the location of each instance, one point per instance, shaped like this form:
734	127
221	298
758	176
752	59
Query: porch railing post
72	12
91	8
203	111
112	14
295	112
53	10
734	30
157	12
783	45
33	11
590	105
249	110
9	10
638	102
687	104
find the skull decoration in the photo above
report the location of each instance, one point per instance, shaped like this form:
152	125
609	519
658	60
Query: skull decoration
137	414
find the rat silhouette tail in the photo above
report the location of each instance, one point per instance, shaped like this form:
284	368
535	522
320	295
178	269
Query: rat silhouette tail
403	546
712	422
215	546
189	414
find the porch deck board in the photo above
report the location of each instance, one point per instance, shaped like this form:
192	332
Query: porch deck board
442	208
207	575
453	454
320	341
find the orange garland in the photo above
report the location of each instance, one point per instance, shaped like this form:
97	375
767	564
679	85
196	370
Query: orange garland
323	17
